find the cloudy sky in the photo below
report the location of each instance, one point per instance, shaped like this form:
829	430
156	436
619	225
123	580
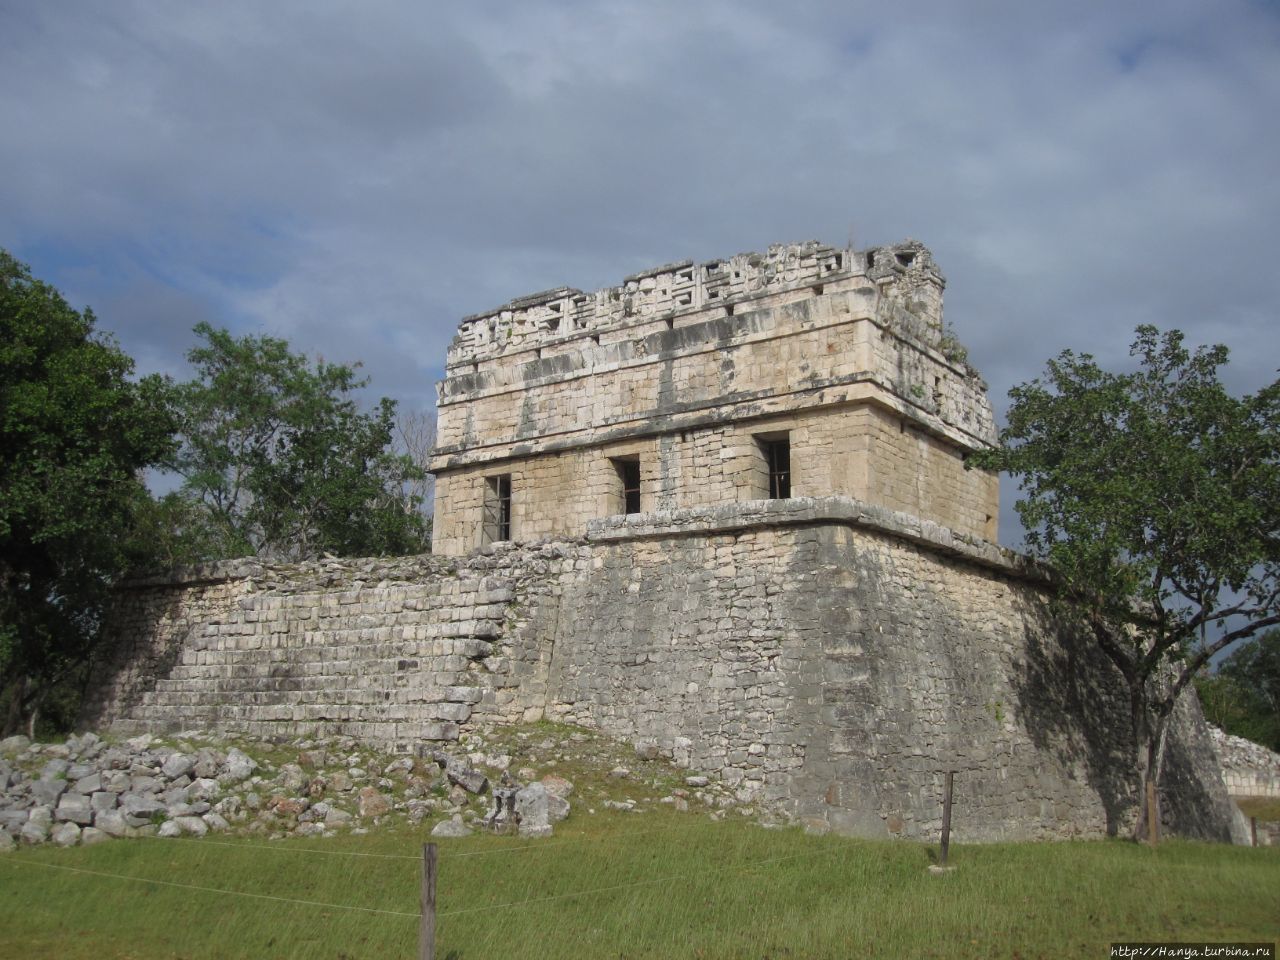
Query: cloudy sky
357	177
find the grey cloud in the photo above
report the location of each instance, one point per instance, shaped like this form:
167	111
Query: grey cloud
357	179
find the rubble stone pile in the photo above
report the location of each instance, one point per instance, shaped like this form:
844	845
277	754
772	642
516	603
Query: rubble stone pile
88	789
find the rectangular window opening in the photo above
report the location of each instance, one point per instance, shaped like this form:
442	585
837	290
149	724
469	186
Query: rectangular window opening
497	508
629	479
777	457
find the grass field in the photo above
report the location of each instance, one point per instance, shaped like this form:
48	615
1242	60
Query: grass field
616	885
1260	807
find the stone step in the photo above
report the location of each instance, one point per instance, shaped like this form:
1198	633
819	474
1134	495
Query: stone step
296	652
381	672
368	629
452	712
451	685
275	722
425	680
203	700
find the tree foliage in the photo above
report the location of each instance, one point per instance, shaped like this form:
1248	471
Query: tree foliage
1243	695
1154	496
278	460
77	433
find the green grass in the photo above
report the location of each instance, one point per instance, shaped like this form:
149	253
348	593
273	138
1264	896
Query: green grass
617	886
1261	807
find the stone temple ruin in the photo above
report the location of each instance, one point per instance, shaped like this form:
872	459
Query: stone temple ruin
807	371
720	511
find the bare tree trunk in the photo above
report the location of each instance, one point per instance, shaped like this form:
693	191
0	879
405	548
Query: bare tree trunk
1150	736
1145	757
1159	739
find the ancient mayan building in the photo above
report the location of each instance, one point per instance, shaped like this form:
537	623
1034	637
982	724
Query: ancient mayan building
721	512
805	371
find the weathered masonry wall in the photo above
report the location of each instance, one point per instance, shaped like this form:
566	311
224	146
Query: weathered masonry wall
828	658
868	452
1249	770
394	651
685	367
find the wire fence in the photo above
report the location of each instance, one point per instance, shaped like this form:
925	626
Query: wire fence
753	865
289	846
609	855
203	889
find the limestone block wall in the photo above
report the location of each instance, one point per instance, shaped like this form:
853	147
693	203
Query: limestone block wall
864	451
834	659
909	470
680	365
776	352
1249	770
394	651
827	657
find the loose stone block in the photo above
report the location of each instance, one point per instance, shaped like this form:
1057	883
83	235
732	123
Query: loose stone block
91	836
112	823
47	792
451	828
74	807
65	834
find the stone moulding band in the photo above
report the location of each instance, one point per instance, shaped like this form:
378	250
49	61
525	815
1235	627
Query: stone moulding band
728	518
269	572
657	349
747	515
859	388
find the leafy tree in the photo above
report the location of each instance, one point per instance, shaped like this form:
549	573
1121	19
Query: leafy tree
77	433
278	460
178	531
1224	703
1243	695
1154	496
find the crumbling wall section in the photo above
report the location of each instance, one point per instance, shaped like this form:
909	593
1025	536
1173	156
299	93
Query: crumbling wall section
393	651
1249	769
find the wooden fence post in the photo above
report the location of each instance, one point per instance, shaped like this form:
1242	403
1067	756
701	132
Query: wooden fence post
1253	830
946	816
1153	814
427	925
